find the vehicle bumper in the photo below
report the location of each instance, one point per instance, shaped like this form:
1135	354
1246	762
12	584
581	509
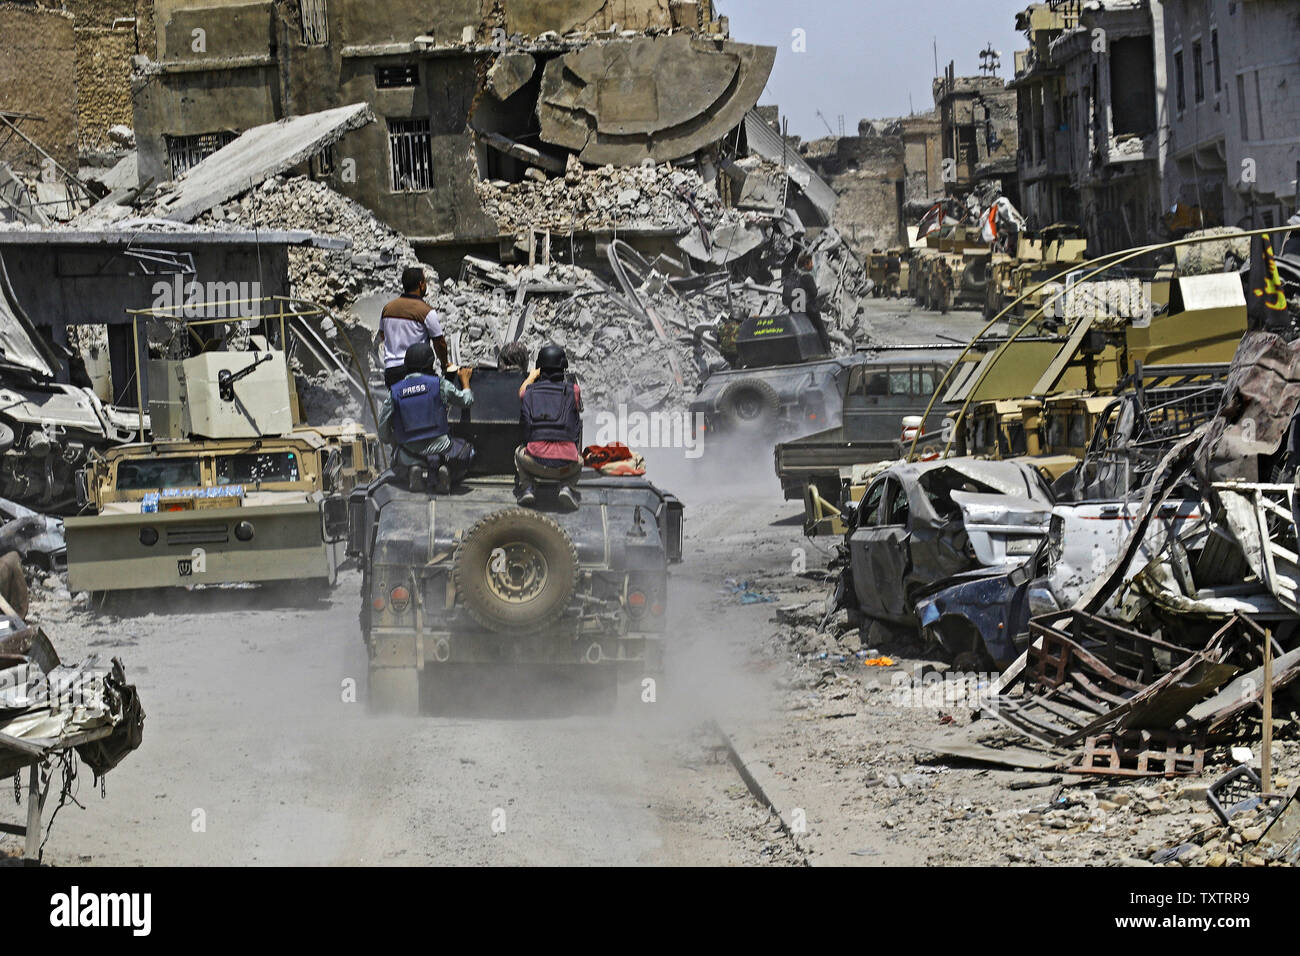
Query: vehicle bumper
107	553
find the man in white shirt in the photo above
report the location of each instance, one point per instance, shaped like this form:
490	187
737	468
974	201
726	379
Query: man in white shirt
407	320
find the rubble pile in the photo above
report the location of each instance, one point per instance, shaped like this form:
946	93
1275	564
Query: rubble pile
646	197
619	356
332	278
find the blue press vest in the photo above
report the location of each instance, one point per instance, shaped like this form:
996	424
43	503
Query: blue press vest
419	413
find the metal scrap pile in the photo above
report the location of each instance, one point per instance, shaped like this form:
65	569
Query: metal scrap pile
1184	640
52	713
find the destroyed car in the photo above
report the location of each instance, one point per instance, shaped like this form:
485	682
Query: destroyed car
466	583
48	429
983	616
921	524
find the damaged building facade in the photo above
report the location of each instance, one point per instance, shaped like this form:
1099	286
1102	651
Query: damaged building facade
977	117
1141	118
1089	115
1233	110
464	92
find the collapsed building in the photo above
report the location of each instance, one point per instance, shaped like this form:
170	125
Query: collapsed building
464	92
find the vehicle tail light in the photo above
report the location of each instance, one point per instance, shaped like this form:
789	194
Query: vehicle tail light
399	599
379	603
636	603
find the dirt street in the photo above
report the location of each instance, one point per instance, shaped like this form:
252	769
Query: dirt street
258	747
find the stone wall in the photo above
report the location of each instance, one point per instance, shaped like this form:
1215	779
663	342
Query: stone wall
103	83
37	77
864	172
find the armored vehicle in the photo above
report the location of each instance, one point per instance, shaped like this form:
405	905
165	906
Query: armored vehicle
459	584
784	381
229	490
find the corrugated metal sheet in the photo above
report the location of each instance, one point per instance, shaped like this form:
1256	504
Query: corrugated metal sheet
767	143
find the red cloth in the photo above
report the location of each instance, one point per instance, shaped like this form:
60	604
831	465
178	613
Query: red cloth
613	459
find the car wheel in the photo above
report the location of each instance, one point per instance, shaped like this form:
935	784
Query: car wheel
750	405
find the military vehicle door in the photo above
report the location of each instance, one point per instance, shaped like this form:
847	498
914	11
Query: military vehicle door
879	549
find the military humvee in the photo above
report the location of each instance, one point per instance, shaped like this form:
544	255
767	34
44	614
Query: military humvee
456	584
784	382
230	490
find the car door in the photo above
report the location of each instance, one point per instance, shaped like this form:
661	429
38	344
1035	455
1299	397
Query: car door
867	417
878	549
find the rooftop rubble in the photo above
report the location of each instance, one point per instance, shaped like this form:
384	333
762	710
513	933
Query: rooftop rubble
608	198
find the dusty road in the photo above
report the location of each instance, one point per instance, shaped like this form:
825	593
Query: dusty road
259	749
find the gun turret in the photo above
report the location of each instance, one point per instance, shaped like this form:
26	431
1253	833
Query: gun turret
221	395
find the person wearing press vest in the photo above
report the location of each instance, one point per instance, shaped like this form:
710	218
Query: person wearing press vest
414	419
551	417
407	320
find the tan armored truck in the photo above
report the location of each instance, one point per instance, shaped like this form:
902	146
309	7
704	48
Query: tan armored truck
230	490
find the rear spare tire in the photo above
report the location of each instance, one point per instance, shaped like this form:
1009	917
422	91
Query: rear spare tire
749	404
515	570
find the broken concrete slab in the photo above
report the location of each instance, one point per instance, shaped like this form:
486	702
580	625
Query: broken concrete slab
659	98
256	156
510	73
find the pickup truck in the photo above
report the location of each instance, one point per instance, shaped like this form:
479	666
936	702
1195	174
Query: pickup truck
890	386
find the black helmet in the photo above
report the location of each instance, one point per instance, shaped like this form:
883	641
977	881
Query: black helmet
552	358
420	357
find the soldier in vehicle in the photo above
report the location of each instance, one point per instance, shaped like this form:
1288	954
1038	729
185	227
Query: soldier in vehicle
799	293
550	413
414	420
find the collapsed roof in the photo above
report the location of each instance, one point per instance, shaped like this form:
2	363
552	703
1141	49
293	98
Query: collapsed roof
257	155
658	98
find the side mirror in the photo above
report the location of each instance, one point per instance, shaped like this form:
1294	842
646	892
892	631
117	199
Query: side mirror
334	519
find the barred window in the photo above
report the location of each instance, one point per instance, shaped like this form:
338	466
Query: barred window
187	151
410	145
315	26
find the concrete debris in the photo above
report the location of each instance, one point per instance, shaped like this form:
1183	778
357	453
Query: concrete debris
510	73
333	278
612	199
256	156
657	98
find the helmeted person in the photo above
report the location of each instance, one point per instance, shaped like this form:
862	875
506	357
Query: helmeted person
414	419
551	417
